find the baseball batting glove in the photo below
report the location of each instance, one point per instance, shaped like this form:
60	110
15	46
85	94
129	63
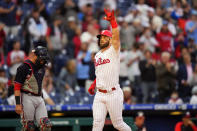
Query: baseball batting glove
110	17
92	88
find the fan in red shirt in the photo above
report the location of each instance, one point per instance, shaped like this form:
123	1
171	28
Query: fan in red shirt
164	38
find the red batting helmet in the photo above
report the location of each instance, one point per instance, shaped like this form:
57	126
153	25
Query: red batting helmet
105	33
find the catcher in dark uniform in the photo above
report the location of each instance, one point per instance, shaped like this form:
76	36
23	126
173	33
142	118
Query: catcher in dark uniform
28	91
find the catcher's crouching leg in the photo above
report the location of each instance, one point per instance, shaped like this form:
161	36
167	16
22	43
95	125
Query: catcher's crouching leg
45	124
28	126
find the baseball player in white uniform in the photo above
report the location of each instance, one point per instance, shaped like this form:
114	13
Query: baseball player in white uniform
109	96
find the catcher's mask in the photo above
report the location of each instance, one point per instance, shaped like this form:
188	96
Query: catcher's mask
42	56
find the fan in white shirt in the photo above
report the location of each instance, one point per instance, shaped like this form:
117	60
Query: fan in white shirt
193	99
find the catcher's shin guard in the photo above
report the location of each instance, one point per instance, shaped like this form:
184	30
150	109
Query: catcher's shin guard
28	126
45	124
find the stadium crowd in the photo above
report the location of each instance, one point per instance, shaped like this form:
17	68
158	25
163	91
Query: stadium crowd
158	47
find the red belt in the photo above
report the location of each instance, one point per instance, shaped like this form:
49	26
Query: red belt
105	91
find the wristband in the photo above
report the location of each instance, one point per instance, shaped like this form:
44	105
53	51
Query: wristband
18	101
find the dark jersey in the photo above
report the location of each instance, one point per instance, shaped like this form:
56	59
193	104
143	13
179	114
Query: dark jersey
24	71
186	128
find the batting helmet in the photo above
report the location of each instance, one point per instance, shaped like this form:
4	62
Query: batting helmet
105	33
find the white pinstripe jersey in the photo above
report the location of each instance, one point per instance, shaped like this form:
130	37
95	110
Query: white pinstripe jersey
107	69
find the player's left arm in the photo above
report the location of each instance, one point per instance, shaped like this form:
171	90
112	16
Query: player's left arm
115	31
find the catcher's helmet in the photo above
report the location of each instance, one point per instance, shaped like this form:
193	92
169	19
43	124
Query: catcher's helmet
42	53
105	33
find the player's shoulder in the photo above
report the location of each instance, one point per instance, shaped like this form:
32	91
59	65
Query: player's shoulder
23	67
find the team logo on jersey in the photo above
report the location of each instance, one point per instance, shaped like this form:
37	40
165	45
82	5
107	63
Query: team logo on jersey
100	61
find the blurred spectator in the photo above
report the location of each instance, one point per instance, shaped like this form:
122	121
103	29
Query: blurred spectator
183	52
171	26
3	93
67	78
2	35
127	34
192	49
133	58
86	6
174	99
142	7
193	99
157	20
157	54
15	57
88	18
43	10
2	61
90	38
123	66
139	121
178	10
83	69
54	37
180	42
148	77
128	96
37	26
8	12
191	27
186	124
77	41
47	83
132	15
149	41
71	27
111	3
194	77
3	84
151	14
166	75
164	38
185	74
68	9
70	30
186	15
3	78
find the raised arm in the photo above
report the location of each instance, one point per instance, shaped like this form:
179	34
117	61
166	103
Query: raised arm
115	31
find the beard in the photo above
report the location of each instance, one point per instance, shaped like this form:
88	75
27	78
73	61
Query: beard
104	45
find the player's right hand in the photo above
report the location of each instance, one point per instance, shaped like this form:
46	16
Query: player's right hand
18	109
